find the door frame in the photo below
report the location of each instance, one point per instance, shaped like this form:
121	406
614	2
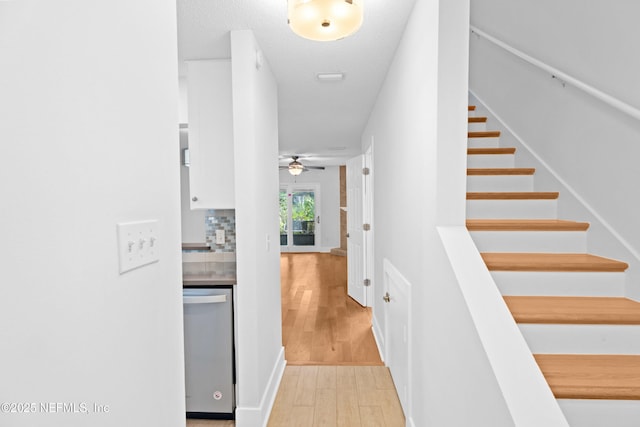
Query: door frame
367	213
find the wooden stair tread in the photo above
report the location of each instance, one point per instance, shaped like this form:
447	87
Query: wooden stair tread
513	195
591	376
477	119
500	171
472	107
484	134
516	261
574	310
491	150
525	225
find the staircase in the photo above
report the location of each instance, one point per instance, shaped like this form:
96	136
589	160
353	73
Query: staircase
568	304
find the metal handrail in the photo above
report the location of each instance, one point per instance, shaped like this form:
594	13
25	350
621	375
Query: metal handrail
562	77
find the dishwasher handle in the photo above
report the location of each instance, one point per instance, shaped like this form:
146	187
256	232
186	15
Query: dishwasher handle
204	299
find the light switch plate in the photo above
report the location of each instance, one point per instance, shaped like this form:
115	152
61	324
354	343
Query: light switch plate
138	244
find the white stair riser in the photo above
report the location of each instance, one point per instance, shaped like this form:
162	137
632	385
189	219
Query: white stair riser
483	142
582	339
490	160
500	183
477	127
601	413
530	241
600	284
517	209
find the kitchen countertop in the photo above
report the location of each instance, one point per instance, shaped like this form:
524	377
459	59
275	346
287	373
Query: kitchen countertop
206	274
195	247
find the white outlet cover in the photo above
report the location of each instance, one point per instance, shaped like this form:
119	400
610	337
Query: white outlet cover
220	237
138	244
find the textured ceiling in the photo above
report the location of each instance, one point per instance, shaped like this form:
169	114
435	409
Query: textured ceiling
322	122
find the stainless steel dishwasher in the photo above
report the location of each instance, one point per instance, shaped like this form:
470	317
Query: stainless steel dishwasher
209	352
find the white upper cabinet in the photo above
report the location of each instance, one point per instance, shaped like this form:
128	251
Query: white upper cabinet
211	170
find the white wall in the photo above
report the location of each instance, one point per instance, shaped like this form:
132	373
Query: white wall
420	119
89	139
591	149
329	182
260	351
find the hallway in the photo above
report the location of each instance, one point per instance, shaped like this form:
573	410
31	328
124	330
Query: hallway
321	324
343	382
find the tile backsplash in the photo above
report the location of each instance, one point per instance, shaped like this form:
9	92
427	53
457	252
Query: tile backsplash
221	219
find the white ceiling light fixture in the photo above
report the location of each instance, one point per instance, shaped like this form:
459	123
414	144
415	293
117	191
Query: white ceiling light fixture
330	77
325	20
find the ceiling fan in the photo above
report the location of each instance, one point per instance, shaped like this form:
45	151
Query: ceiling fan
296	168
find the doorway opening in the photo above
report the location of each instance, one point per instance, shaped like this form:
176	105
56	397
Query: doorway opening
299	217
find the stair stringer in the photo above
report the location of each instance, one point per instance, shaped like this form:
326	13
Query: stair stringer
525	390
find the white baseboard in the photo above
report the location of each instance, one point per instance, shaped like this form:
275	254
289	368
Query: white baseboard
377	336
259	416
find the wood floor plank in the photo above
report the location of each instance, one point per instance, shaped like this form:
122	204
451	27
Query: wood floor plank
327	377
346	378
305	394
348	410
326	408
372	416
301	416
364	378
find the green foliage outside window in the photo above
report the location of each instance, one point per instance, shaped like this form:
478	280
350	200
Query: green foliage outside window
304	207
283	212
303	212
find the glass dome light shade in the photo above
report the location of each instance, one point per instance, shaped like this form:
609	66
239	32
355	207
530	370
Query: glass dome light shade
325	20
295	168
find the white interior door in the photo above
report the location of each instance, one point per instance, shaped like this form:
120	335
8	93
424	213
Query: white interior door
355	240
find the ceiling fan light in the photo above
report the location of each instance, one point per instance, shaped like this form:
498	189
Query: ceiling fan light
325	20
295	168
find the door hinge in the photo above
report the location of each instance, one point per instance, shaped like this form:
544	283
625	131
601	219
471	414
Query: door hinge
366	227
367	282
365	171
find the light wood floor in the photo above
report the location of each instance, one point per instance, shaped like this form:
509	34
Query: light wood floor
321	324
332	396
326	334
337	396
